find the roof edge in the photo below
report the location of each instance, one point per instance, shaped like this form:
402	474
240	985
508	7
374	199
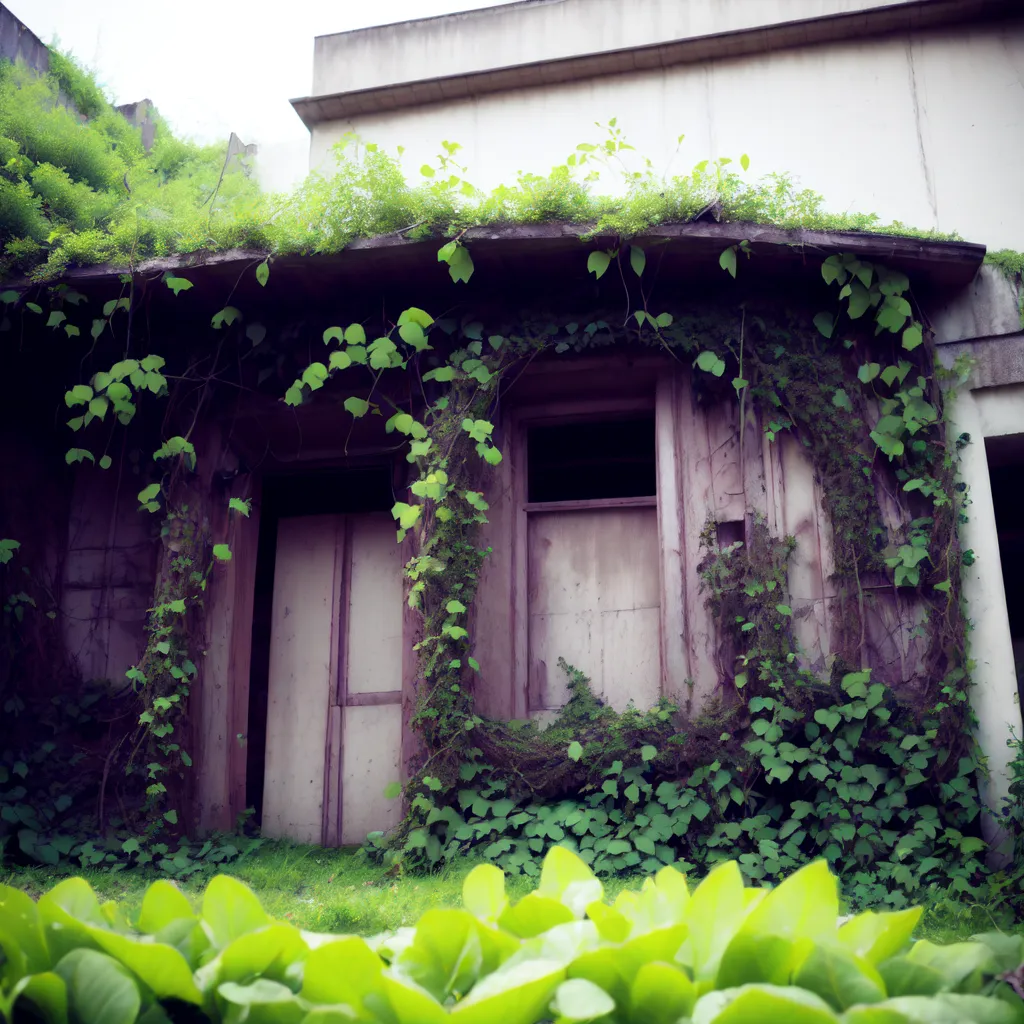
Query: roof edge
899	17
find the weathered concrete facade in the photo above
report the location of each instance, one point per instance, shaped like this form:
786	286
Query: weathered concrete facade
872	105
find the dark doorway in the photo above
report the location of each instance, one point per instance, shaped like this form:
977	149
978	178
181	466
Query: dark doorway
1006	471
327	492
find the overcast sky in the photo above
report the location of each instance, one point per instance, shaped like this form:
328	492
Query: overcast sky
217	66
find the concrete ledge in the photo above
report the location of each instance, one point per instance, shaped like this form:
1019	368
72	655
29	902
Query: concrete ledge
988	306
997	361
547	42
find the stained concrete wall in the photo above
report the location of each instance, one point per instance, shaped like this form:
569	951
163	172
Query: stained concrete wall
925	126
19	43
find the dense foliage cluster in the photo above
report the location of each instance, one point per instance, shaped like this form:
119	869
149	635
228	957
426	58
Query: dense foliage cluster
721	954
77	187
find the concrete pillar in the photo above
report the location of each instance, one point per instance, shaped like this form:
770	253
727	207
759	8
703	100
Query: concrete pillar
994	693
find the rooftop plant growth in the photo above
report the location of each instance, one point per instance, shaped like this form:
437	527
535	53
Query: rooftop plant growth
721	954
79	191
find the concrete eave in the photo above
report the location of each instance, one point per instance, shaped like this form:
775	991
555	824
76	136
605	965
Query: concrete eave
534	255
898	17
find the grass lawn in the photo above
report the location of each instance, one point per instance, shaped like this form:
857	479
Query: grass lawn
337	891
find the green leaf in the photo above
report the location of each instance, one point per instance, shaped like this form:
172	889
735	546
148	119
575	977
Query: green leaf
716	910
56	318
840	978
357	406
342	971
483	892
575	751
825	324
912	337
230	909
392	791
162	904
517	993
454	607
784	609
177	284
868	372
226	317
637	259
710	363
598	262
661	994
105	462
765	1004
415	315
842	400
9	297
878	937
727	261
648	753
100	990
580	1000
240	505
171	816
263	273
222	552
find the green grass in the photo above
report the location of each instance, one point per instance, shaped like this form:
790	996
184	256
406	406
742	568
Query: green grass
339	891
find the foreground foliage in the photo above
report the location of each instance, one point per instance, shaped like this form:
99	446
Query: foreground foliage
720	955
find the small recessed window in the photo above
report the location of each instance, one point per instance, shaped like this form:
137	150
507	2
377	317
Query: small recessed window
591	461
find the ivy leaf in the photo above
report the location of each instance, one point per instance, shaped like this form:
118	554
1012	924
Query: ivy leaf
867	372
106	462
171	816
442	374
825	324
710	363
226	317
355	334
739	383
392	791
56	318
575	751
912	337
241	505
357	406
454	607
339	360
9	297
637	260
648	753
784	609
34	306
72	331
177	284
333	334
598	262
78	455
263	273
842	400
745	162
222	552
415	315
314	376
727	261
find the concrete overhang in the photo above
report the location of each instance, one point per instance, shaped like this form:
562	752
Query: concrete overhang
540	43
532	264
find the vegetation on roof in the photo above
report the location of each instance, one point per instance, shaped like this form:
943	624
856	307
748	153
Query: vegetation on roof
77	188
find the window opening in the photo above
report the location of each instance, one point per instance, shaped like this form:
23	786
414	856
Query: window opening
586	461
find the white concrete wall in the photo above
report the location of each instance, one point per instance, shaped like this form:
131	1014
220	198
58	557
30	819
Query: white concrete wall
510	34
926	129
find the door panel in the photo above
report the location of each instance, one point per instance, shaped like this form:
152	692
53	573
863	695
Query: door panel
371	755
594	599
303	646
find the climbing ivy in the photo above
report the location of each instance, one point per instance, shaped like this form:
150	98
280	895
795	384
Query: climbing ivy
787	763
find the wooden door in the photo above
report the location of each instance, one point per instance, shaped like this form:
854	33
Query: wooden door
594	600
334	704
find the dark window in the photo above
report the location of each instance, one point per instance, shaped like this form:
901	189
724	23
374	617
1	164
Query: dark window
584	461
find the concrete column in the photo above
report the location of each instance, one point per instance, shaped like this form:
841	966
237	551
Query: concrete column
994	693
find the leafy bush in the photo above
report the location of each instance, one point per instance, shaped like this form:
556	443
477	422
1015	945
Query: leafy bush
723	954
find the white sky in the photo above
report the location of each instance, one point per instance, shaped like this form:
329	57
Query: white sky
217	66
